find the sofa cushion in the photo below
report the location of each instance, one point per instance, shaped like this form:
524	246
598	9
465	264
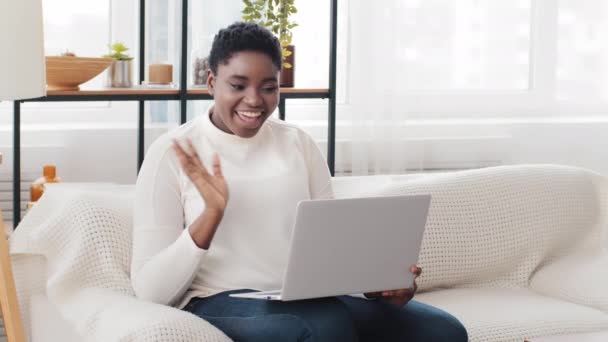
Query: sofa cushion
513	314
581	278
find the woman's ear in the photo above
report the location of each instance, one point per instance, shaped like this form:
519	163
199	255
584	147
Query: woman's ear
210	82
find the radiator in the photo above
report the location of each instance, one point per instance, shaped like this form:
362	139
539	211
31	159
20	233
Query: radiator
6	195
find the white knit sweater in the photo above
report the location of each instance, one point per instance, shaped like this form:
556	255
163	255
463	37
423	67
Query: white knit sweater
267	176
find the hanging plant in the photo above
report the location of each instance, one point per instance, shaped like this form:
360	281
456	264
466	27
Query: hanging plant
274	15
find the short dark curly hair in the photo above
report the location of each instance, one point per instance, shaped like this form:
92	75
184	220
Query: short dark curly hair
242	36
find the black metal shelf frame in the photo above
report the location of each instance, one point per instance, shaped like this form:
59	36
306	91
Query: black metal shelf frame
183	97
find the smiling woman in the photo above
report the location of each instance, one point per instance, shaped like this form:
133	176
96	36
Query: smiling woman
244	80
215	205
246	92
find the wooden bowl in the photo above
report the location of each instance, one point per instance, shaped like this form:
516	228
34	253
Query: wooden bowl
67	72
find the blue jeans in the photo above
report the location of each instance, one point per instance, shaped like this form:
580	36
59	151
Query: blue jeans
326	319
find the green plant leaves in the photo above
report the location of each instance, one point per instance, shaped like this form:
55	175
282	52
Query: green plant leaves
274	15
117	51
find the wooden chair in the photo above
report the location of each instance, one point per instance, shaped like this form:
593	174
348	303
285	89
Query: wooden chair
9	305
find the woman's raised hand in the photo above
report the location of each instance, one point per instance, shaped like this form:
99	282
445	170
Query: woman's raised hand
211	186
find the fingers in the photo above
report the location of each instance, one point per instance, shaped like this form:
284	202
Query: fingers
182	156
397	301
195	158
398	297
188	158
417	271
402	296
399	293
405	293
373	294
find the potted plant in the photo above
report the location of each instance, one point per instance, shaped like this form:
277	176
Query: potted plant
274	15
120	73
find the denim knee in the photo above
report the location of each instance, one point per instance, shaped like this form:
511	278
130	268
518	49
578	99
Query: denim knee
450	329
287	327
428	323
334	325
276	327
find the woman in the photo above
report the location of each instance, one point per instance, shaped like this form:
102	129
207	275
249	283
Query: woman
201	234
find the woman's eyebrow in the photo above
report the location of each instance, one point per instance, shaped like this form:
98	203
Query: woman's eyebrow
240	77
245	78
270	79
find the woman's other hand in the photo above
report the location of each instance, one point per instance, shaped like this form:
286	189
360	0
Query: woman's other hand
402	296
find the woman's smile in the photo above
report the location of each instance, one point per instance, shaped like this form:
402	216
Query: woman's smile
250	119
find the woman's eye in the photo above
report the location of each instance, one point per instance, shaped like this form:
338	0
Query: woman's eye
270	89
237	86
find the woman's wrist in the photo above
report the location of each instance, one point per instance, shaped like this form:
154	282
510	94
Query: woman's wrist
203	228
213	215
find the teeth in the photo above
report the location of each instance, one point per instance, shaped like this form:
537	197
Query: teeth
250	114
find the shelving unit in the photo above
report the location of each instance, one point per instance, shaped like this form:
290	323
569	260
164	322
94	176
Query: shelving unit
183	95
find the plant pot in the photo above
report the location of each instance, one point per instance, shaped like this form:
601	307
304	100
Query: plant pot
120	74
287	75
200	67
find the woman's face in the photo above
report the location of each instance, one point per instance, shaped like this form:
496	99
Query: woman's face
246	92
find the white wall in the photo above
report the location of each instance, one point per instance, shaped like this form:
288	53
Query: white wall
81	154
109	154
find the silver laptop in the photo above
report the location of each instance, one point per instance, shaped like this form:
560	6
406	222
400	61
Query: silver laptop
347	246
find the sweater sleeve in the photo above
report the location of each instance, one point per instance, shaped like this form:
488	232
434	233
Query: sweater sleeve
165	258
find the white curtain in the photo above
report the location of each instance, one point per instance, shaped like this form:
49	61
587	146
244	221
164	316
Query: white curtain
416	68
407	53
373	81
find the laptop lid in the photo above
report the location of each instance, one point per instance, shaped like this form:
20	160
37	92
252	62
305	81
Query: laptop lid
345	246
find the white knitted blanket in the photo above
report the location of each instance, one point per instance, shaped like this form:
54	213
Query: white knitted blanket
83	240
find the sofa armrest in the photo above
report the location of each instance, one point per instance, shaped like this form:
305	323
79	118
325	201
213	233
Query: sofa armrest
580	279
113	316
30	276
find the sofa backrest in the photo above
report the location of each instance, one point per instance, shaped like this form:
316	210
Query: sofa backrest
496	226
488	227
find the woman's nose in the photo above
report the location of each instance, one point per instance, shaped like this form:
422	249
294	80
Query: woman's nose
253	99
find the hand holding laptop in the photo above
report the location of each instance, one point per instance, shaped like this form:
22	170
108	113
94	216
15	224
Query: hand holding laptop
402	296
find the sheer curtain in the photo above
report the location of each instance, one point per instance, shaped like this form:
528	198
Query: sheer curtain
420	69
410	57
582	53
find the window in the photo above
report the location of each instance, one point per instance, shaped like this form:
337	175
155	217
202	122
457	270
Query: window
466	57
582	48
82	27
85	28
453	45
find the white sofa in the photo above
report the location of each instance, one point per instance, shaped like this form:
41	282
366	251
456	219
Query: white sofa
513	252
